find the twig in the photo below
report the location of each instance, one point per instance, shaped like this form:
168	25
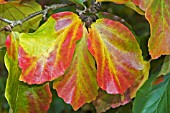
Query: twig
12	24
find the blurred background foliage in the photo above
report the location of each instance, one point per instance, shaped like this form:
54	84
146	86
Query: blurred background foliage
140	27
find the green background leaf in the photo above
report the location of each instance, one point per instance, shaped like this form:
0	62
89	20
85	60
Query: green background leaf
17	11
153	98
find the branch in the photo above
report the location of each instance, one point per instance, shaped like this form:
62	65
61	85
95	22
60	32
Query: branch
12	24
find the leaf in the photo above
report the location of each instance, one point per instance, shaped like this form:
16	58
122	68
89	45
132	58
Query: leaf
153	98
143	4
17	11
113	17
45	54
22	97
105	101
118	55
116	1
140	80
166	66
159	18
79	2
134	7
79	85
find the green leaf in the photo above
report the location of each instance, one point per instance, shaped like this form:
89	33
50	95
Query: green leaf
79	2
45	54
79	85
153	98
166	66
159	18
118	56
17	11
116	1
134	7
22	97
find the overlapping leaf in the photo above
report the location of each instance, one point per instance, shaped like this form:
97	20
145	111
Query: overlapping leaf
166	66
105	101
118	56
143	4
153	98
79	2
159	18
17	10
134	7
116	1
46	54
78	85
22	97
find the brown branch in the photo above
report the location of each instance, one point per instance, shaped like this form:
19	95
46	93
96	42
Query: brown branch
12	24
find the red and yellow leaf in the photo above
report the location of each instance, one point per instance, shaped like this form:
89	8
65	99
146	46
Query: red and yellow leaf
22	97
159	18
79	85
118	55
116	1
45	54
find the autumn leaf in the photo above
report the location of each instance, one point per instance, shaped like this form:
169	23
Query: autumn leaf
118	55
143	4
159	18
17	10
116	1
105	101
79	85
21	97
45	54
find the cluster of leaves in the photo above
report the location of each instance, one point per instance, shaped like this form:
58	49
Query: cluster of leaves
102	64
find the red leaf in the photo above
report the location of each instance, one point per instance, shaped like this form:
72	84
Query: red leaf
79	85
117	53
45	54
